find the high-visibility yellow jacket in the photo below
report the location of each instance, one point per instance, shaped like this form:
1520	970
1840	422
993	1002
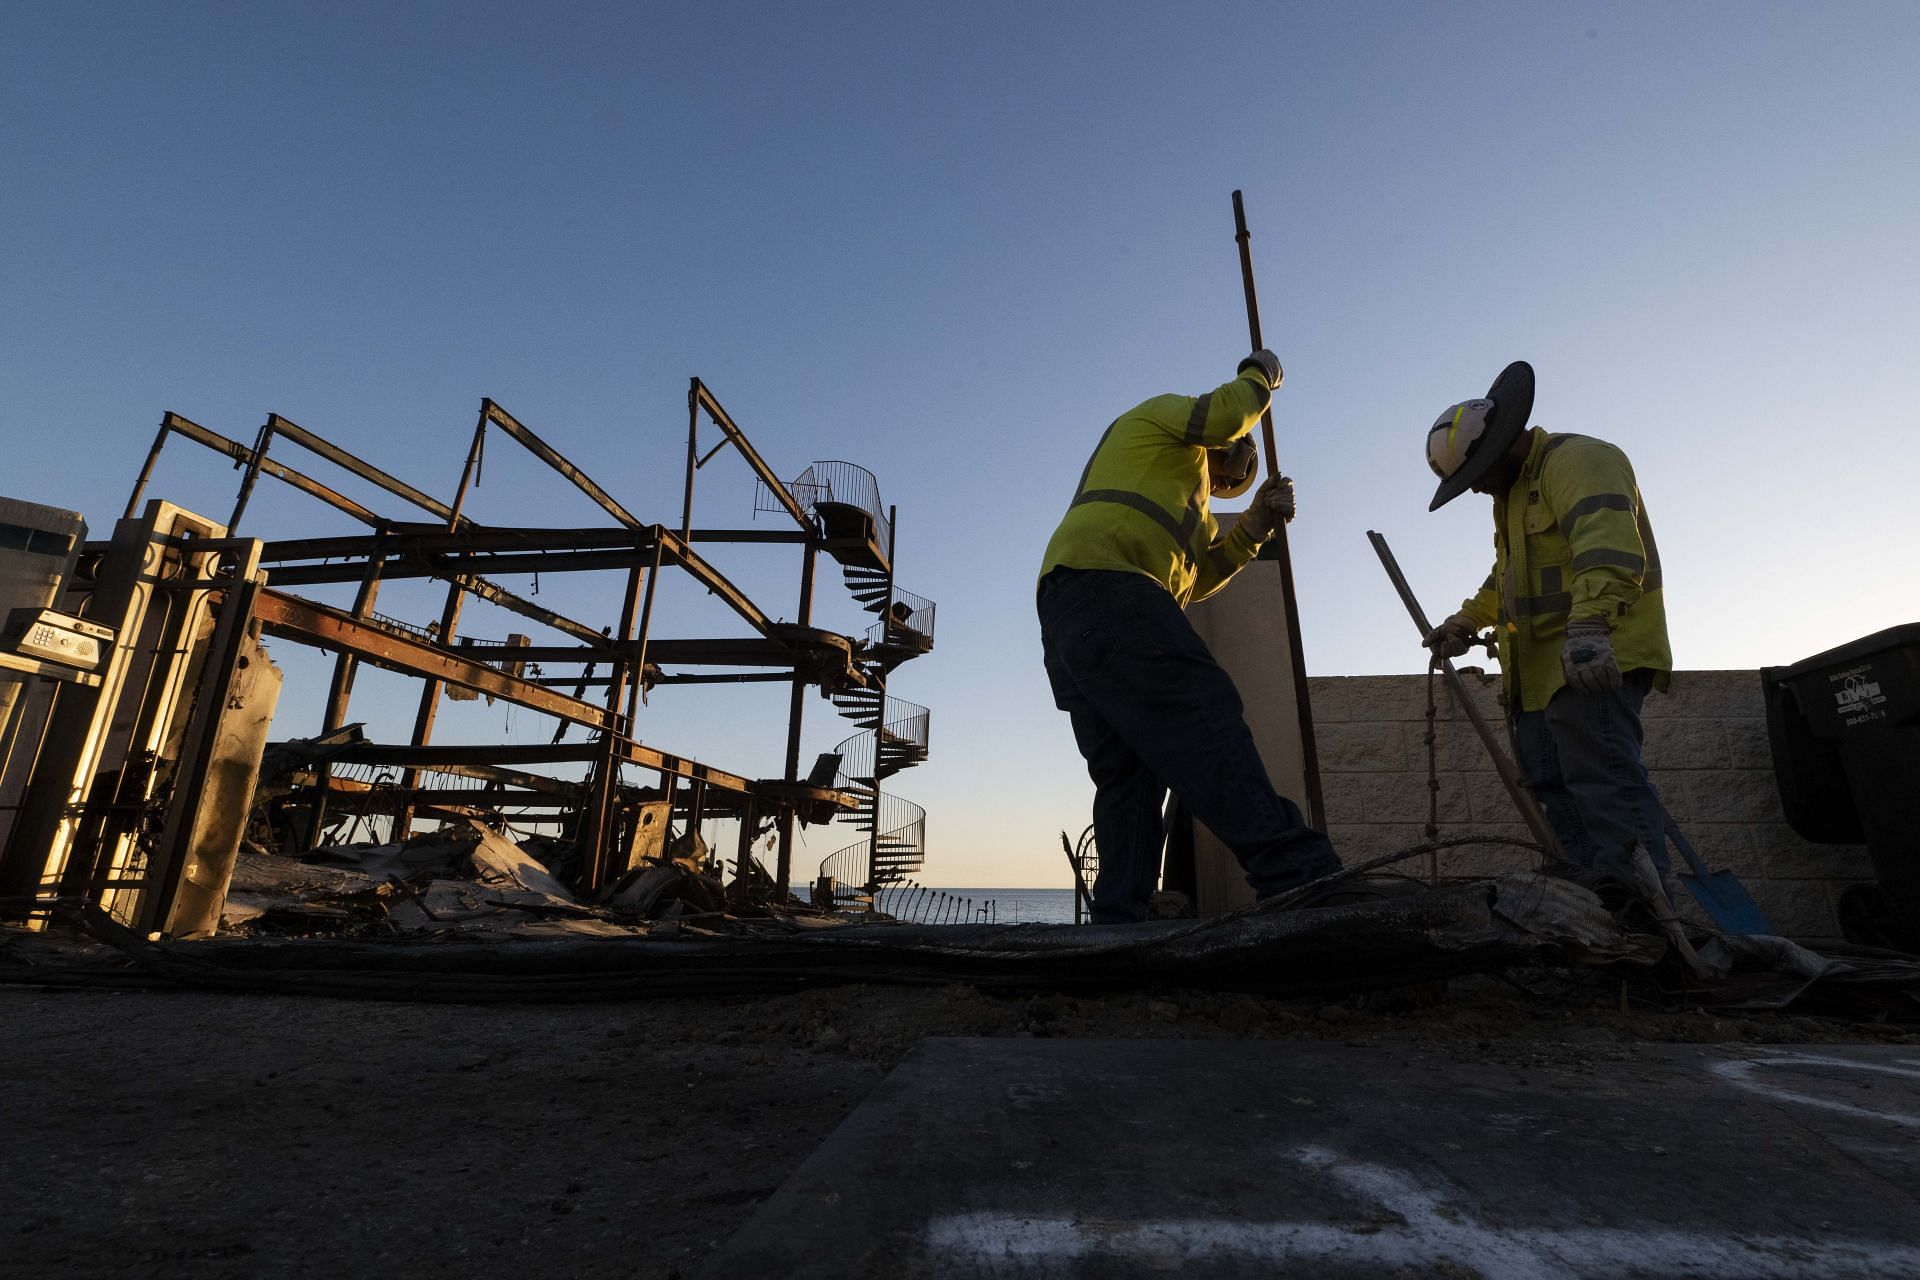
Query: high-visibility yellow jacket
1571	541
1141	505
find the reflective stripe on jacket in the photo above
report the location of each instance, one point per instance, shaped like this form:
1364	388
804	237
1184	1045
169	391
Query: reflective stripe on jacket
1141	505
1586	550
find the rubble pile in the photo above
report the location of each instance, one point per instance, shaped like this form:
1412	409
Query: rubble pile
468	882
468	916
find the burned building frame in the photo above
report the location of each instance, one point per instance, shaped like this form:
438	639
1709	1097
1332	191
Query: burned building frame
121	783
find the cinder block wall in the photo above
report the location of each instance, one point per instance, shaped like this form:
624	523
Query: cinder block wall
1706	749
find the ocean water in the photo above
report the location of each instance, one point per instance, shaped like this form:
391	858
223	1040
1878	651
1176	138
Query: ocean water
1002	906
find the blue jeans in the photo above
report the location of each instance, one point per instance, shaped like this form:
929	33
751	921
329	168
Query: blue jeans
1582	756
1153	711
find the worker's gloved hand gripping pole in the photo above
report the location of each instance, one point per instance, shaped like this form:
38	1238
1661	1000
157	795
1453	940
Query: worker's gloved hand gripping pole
1276	546
1522	798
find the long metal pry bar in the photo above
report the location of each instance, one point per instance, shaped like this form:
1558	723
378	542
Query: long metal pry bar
1509	775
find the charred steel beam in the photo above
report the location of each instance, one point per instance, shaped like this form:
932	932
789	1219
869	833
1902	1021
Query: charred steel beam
348	462
449	555
416	540
435	756
403	549
699	396
449	568
757	677
146	468
427	713
793	536
243	454
261	444
328	628
796	709
494	593
681	767
481	772
748	652
425	797
552	457
655	678
340	692
599	816
712	579
542	753
807	793
464	557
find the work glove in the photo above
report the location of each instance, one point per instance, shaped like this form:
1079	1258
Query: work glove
1587	657
1272	507
1268	364
1452	638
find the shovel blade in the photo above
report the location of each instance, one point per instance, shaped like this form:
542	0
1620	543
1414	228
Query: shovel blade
1719	893
1727	902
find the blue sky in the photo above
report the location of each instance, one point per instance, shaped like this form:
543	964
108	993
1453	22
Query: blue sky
951	244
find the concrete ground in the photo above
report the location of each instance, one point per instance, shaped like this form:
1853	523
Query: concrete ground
1113	1159
155	1134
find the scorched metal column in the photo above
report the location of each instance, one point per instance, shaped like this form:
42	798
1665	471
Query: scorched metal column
796	709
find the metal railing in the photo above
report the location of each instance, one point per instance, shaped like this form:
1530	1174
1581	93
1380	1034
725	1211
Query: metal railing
907	726
913	902
900	847
910	613
833	482
430	633
856	762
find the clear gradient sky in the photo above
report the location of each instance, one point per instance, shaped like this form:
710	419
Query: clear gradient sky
951	243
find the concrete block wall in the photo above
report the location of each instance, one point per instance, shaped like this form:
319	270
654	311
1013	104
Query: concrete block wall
1706	750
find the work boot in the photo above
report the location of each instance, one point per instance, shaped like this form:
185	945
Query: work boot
1290	863
1170	904
1614	893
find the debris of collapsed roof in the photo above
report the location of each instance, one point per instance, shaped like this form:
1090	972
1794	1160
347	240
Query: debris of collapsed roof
467	881
1521	920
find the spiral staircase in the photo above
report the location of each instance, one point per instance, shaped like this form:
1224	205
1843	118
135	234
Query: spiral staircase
857	531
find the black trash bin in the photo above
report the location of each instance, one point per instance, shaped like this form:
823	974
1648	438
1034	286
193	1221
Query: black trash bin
1844	726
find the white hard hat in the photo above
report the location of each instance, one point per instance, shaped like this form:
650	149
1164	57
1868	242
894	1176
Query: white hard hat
1466	443
1454	433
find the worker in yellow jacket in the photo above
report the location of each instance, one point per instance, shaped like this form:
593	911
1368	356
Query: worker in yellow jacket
1151	709
1577	610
